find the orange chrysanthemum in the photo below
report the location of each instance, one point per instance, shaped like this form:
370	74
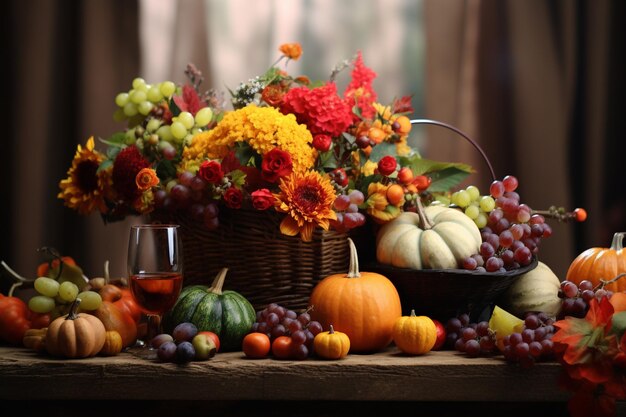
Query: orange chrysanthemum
307	198
83	189
291	50
146	179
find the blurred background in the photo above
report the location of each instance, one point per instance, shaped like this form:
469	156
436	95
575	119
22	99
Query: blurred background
539	84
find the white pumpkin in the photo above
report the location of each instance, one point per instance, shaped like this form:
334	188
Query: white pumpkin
440	241
535	291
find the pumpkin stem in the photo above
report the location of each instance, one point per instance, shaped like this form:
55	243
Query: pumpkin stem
412	312
73	315
331	330
617	243
106	272
425	222
353	270
218	282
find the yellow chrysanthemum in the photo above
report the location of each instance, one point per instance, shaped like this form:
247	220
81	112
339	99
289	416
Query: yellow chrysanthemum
83	189
377	204
307	198
264	128
383	111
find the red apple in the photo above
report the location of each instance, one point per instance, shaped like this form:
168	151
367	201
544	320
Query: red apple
441	335
216	339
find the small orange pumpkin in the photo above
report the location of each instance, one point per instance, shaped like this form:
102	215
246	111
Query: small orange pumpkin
112	343
331	344
75	335
415	335
601	264
362	305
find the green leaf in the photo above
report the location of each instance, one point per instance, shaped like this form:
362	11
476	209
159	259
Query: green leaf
238	177
105	165
446	179
327	160
166	169
245	154
366	181
381	150
117	139
421	166
113	151
618	324
349	138
173	107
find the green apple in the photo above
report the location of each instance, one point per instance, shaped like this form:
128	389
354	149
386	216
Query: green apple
204	346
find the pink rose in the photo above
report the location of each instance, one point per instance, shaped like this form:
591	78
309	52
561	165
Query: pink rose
387	165
276	164
233	197
322	142
262	199
211	172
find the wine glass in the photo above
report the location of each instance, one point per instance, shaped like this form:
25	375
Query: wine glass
155	269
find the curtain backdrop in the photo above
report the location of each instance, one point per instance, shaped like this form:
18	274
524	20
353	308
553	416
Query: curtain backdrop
535	82
66	61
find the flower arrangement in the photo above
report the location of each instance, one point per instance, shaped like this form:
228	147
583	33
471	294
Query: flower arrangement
320	158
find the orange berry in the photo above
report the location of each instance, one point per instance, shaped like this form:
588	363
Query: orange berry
580	214
395	194
376	134
402	125
405	175
422	182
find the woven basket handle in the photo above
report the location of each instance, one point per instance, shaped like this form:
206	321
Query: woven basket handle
454	129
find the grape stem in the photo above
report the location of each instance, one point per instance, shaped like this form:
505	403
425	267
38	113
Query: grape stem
604	283
454	129
556	213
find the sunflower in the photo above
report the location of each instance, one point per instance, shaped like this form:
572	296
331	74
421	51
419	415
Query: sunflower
83	189
307	198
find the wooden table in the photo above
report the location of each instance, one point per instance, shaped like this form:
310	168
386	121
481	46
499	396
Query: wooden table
388	376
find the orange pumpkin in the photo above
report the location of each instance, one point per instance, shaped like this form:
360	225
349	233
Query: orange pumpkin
601	264
415	335
363	305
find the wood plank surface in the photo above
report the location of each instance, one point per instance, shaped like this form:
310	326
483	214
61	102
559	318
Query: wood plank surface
388	376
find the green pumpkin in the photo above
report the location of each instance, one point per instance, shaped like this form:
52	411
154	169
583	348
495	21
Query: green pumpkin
225	313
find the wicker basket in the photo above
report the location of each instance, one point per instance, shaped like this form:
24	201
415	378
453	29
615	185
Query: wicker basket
264	265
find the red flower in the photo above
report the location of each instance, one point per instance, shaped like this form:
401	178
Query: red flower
321	109
387	165
322	142
230	162
262	199
211	172
360	90
276	164
189	101
233	197
127	165
273	95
